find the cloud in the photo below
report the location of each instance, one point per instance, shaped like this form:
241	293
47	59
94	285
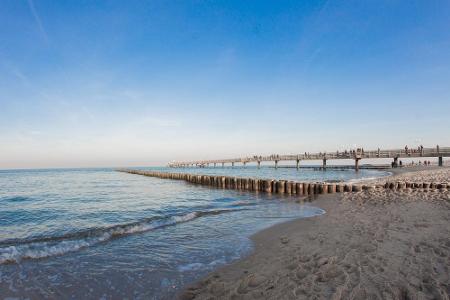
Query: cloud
37	20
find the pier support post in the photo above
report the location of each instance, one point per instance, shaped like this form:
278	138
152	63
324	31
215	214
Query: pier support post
298	163
357	164
259	164
324	164
440	161
232	164
276	164
395	162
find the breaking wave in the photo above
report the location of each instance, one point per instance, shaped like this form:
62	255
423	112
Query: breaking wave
14	251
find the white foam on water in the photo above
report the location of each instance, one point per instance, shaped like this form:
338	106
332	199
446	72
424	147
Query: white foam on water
356	180
39	250
191	267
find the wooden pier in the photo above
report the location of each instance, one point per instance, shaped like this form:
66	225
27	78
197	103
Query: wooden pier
356	155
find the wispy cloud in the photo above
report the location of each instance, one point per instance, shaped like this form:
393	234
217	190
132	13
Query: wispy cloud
37	19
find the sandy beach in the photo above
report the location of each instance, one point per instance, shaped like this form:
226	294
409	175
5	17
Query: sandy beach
378	244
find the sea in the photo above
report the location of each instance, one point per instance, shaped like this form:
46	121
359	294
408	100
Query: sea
103	234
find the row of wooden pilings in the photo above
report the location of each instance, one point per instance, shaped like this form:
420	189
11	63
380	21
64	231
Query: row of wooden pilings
285	186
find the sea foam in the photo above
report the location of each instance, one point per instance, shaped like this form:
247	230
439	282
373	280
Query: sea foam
39	248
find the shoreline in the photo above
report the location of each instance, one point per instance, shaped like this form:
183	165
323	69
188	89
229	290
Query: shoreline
411	169
307	257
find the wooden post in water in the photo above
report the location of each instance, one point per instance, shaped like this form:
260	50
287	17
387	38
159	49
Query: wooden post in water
247	184
281	186
259	164
357	164
332	188
288	187
324	164
299	188
276	164
267	186
298	163
395	162
440	161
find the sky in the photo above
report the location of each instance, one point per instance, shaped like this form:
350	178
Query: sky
142	83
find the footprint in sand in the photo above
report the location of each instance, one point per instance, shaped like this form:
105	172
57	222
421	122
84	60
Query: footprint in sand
217	288
284	240
292	267
301	273
304	259
321	261
439	252
250	282
417	249
329	273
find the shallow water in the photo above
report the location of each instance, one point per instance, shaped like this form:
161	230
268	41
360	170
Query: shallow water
97	233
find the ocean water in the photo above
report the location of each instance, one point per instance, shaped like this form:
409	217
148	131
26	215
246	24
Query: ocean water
102	234
286	173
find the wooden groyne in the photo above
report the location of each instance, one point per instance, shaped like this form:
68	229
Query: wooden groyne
286	186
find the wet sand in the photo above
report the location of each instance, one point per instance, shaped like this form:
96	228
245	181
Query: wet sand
379	244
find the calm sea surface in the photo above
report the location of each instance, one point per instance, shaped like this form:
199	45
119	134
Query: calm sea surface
101	234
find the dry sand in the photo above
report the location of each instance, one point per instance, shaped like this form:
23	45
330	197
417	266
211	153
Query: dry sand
378	244
417	174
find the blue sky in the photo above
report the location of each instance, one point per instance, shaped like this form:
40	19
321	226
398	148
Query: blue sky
116	83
